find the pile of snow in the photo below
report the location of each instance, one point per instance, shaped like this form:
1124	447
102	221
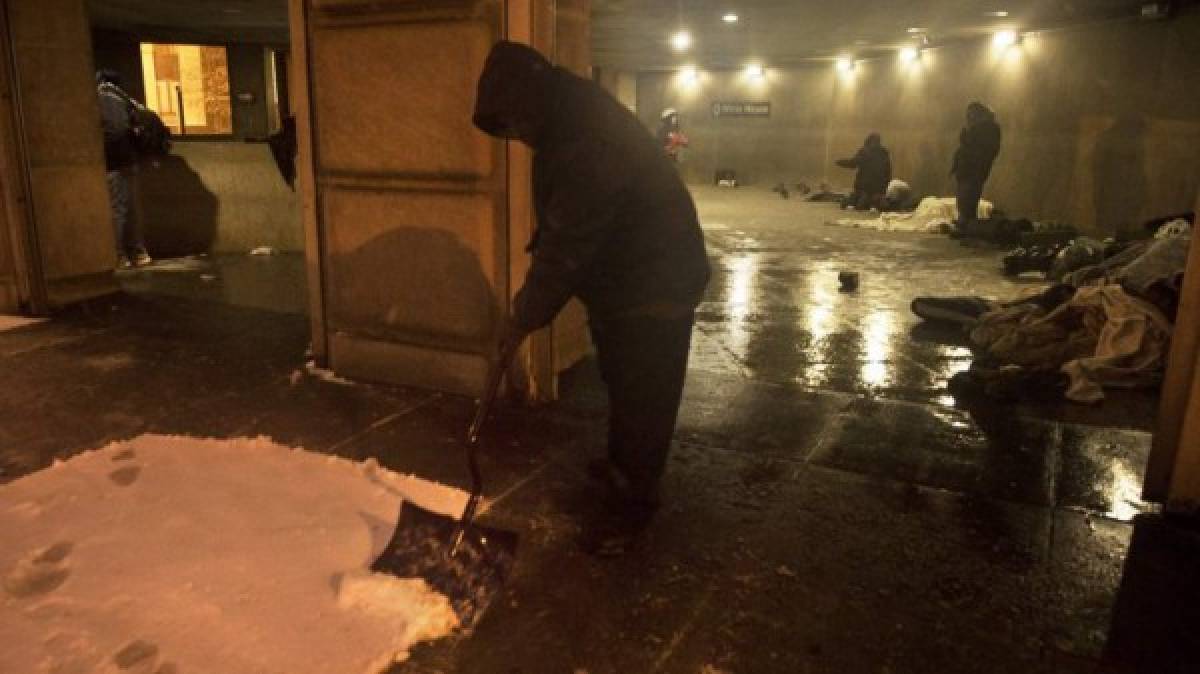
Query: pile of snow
14	322
931	215
168	554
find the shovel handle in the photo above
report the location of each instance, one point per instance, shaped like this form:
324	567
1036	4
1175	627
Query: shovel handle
490	390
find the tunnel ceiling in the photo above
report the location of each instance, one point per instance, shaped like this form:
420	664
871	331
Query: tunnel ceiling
199	20
634	34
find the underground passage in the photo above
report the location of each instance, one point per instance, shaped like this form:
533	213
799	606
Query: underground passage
593	336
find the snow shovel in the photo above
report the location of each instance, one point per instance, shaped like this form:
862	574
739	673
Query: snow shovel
464	561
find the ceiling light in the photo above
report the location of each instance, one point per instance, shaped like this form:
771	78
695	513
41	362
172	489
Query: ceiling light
845	64
755	71
909	54
914	31
730	18
1005	39
689	75
999	14
681	41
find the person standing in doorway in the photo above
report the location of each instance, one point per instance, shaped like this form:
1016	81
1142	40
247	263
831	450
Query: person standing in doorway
979	143
616	228
117	118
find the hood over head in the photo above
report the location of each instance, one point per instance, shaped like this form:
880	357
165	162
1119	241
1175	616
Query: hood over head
873	140
978	112
515	93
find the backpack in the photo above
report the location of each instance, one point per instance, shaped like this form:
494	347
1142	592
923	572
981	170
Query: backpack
151	137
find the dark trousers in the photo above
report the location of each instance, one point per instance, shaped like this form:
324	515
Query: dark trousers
643	362
969	194
121	191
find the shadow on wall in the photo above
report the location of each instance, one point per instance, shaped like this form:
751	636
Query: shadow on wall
1119	181
178	213
414	281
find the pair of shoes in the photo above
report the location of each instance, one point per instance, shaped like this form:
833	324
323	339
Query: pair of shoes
637	500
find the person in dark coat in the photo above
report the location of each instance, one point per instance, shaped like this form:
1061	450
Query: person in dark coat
874	166
979	143
120	163
616	228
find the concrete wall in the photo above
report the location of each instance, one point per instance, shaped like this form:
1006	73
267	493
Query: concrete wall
1101	123
215	196
56	92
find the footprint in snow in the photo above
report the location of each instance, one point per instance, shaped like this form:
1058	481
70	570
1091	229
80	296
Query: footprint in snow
40	572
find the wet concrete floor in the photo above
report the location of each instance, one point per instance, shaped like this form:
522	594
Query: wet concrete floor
829	507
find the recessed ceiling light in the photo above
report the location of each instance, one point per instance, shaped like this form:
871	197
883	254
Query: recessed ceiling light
845	64
909	54
681	41
999	14
730	17
914	31
689	75
1005	39
754	71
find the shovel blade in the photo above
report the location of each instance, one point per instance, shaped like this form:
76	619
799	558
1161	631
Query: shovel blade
470	574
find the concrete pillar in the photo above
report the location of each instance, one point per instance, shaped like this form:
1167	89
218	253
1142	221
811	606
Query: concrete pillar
59	132
1173	473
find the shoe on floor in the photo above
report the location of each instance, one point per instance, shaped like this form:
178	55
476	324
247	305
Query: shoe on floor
960	310
142	258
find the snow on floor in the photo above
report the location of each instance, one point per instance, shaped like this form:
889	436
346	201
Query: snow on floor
14	322
167	555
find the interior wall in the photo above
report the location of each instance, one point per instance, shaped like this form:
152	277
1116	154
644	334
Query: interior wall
217	197
212	195
1101	122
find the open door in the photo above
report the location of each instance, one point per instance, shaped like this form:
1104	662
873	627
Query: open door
53	250
416	221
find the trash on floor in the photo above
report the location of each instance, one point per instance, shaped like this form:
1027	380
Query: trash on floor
263	250
123	570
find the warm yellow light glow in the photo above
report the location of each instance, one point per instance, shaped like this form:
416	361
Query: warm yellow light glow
681	41
1005	39
909	54
689	76
755	71
730	18
845	64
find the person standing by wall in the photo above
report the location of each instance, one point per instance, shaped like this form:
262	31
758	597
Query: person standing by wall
979	143
874	166
117	119
617	228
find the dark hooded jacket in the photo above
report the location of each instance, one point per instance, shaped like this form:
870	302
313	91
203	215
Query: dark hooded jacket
616	226
874	166
979	143
116	119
